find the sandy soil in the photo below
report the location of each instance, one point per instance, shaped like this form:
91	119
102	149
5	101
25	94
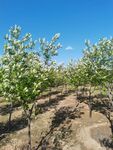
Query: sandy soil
72	133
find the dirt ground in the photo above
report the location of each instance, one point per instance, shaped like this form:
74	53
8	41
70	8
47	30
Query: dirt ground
58	126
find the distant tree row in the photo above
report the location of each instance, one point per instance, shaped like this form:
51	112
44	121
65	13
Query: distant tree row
95	72
26	72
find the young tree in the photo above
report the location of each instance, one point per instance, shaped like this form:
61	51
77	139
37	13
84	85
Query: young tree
48	50
60	79
76	74
104	74
24	73
9	67
98	60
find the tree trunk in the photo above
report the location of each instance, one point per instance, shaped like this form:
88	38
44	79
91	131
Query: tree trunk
67	88
90	106
50	89
111	126
10	116
77	92
28	115
90	111
29	132
57	88
62	90
44	145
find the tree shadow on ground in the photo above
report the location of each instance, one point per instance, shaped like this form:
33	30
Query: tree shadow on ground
95	102
100	96
5	109
52	103
65	113
102	105
16	124
107	143
60	123
83	98
20	123
48	94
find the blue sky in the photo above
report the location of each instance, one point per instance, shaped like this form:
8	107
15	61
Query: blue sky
76	20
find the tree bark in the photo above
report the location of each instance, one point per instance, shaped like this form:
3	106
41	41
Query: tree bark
89	103
90	111
62	89
67	88
29	132
44	145
77	92
50	89
28	115
10	116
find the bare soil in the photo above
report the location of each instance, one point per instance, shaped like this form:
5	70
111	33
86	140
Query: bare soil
58	126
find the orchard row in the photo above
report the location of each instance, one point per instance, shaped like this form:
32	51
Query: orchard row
26	72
